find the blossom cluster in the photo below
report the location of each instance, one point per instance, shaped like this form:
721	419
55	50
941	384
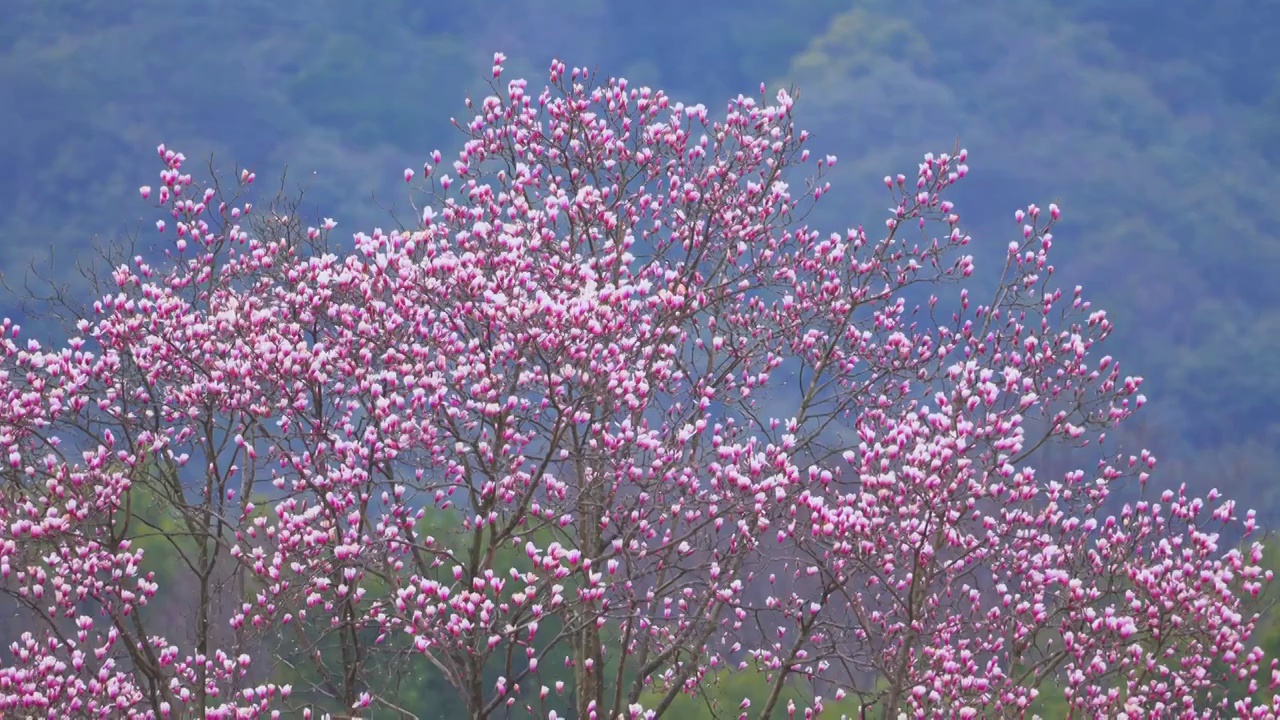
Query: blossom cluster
609	418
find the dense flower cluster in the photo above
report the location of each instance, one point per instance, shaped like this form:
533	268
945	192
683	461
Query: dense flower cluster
612	406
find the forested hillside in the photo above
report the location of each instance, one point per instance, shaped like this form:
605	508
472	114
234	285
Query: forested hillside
1155	127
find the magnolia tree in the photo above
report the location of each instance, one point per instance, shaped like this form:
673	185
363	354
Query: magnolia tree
608	425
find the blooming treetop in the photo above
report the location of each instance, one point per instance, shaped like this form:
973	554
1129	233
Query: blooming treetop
612	418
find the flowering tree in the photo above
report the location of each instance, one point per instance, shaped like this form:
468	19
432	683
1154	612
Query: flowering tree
610	424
